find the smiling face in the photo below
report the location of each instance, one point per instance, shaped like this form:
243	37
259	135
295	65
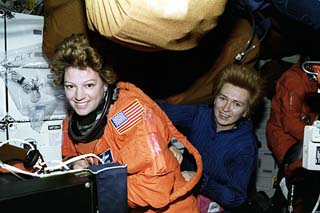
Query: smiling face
231	104
84	89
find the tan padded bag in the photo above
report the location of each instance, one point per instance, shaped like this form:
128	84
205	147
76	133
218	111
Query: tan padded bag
152	25
61	19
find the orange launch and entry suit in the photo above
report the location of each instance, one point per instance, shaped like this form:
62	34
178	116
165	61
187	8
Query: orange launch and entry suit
137	134
286	124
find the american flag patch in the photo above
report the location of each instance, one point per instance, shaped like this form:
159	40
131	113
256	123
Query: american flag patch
128	117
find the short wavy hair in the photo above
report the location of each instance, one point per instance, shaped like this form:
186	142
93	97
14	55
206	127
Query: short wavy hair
76	51
245	77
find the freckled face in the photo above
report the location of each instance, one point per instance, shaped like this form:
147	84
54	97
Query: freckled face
84	89
231	104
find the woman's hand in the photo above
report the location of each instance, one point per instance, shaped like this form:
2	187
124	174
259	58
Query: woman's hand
80	164
177	153
188	175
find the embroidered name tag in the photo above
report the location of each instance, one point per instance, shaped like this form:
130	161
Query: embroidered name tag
128	117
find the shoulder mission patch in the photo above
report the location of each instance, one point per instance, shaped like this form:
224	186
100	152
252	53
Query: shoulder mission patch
128	117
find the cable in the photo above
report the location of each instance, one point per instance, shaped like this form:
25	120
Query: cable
44	170
43	167
13	169
307	67
290	207
9	170
104	169
71	160
248	47
317	204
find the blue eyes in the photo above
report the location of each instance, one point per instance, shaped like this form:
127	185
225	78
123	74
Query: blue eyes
71	86
222	98
234	103
238	104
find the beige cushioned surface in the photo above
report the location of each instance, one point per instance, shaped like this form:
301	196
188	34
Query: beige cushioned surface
61	19
154	24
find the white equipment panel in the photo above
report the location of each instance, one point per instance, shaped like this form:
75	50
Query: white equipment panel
22	30
47	141
311	147
31	107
